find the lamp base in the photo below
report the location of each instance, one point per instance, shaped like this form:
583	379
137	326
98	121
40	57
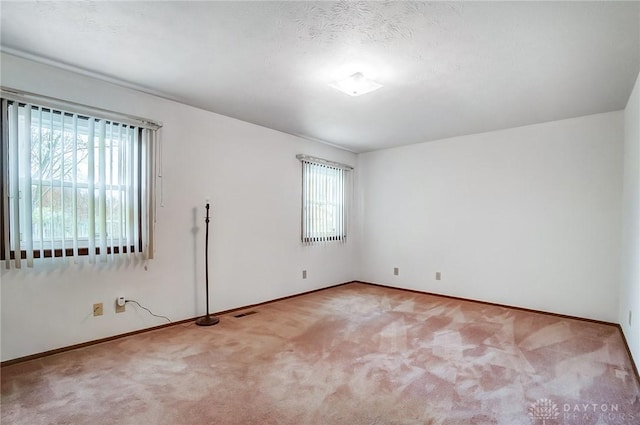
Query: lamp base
207	321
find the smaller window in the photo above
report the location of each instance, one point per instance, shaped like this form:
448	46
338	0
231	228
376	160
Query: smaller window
324	200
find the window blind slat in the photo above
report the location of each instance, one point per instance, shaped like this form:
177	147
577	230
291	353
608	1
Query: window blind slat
51	183
137	192
336	207
91	197
123	188
343	212
74	186
322	195
129	197
148	198
307	212
109	192
117	208
62	175
120	205
143	205
14	166
319	216
310	203
27	234
341	199
102	191
314	206
40	176
4	202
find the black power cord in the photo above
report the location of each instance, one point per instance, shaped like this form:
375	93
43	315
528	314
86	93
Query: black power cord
153	314
149	311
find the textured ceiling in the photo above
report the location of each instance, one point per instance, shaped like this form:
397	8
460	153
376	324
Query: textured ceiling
447	68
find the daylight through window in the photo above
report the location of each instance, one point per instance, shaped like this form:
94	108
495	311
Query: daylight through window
73	185
324	200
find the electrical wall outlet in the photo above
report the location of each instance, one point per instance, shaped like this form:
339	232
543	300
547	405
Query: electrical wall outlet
120	303
438	276
97	309
304	274
396	271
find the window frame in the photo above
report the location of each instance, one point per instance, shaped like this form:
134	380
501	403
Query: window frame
335	190
144	191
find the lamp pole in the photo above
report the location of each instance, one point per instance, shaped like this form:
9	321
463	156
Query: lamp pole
207	320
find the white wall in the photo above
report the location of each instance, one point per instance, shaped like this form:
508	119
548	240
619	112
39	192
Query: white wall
254	181
528	216
630	282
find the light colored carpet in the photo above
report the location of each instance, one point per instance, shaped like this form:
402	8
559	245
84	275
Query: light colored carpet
351	355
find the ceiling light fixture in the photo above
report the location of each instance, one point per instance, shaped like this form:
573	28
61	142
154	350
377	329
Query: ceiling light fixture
355	85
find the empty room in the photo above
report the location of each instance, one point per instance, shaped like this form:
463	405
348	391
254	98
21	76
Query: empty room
320	213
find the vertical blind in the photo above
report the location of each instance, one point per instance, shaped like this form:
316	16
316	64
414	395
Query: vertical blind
74	185
324	200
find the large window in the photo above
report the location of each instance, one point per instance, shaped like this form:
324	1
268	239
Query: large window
73	185
324	200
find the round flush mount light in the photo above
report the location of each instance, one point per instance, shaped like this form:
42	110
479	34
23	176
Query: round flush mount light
356	85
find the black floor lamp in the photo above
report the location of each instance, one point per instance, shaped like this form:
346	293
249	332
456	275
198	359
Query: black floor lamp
207	320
